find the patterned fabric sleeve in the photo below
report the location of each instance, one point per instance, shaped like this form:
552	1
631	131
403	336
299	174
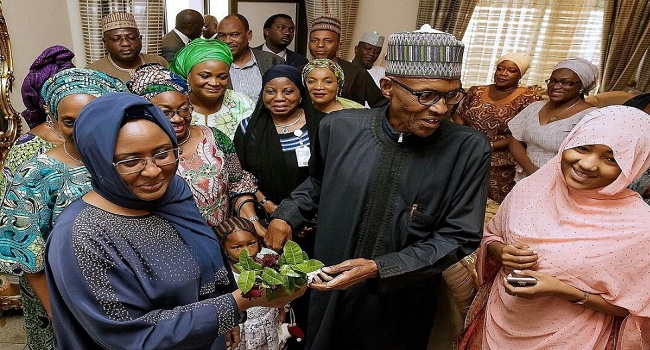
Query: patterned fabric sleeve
472	95
239	181
26	147
40	190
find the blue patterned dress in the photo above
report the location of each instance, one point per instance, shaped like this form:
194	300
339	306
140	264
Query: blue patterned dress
39	191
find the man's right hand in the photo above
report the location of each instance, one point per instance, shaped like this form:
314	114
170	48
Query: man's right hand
277	234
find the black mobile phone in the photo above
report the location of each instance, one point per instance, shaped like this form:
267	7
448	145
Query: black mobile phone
521	281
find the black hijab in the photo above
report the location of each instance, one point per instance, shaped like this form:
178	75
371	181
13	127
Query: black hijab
259	149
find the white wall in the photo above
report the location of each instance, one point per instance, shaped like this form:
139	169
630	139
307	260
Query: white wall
385	17
31	31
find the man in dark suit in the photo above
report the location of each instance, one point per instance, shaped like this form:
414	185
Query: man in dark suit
189	25
248	64
278	35
324	42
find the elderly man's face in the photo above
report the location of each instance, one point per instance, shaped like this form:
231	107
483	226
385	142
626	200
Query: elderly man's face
407	114
123	44
367	53
323	44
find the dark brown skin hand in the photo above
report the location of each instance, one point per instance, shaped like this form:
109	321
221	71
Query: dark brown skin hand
516	256
277	234
345	275
233	338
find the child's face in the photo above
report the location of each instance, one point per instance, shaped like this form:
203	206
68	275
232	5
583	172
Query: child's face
239	240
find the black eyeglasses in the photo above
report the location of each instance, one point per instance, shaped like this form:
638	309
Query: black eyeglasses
136	165
431	97
562	83
183	112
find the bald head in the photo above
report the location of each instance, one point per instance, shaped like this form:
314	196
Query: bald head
190	23
209	26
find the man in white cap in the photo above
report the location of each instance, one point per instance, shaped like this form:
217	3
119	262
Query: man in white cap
400	193
367	52
123	43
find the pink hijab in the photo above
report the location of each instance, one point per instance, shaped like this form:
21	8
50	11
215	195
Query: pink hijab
597	241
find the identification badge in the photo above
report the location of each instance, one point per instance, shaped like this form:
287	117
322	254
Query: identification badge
302	154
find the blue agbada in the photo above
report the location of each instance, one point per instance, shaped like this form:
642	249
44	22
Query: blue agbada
146	282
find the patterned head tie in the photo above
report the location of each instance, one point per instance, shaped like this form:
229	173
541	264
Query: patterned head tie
77	81
324	63
51	60
152	79
424	53
197	51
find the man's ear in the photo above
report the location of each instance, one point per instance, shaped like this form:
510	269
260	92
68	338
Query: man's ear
266	32
386	87
249	34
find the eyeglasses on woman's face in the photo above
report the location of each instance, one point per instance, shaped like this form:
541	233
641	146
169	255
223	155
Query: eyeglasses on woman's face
562	83
136	165
184	112
431	97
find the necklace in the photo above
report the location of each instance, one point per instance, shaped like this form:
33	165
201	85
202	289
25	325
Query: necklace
285	128
555	117
65	149
125	69
189	134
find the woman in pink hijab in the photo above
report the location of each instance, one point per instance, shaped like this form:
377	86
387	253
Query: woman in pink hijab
575	227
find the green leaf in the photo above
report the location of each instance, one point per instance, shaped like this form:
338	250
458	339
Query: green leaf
246	281
272	294
282	260
271	276
290	285
293	253
287	270
308	266
305	257
247	263
239	267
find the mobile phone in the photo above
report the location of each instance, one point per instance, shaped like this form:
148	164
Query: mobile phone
521	281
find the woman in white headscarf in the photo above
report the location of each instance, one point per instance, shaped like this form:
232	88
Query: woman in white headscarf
489	108
538	130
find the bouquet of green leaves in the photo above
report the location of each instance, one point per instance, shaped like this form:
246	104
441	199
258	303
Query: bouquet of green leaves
286	272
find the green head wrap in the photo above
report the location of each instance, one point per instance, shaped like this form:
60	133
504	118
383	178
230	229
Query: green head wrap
324	63
197	51
77	81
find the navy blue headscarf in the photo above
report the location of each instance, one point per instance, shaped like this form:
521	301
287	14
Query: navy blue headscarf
95	134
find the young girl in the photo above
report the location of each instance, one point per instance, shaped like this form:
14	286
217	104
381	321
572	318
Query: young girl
583	236
261	329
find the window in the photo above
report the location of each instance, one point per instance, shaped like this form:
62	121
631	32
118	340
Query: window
547	30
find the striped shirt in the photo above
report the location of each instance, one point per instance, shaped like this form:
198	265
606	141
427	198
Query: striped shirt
247	79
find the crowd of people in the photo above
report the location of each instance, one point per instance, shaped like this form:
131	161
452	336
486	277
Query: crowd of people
126	205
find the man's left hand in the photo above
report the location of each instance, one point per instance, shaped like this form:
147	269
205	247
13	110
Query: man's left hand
346	274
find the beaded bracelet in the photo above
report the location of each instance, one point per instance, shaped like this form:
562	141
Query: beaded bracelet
583	300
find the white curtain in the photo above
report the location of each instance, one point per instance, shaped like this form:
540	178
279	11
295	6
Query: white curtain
149	14
546	30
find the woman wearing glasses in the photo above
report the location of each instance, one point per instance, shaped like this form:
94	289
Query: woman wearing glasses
207	160
539	129
41	189
132	264
489	108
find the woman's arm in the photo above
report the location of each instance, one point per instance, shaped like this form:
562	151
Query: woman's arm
551	286
518	151
247	211
39	285
501	144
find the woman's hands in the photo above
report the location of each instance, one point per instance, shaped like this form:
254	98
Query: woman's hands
515	256
546	286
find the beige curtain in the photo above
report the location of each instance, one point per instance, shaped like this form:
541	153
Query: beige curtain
345	10
547	31
643	73
149	14
447	16
626	38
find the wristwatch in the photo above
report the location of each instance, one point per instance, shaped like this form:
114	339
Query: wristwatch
264	200
253	219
